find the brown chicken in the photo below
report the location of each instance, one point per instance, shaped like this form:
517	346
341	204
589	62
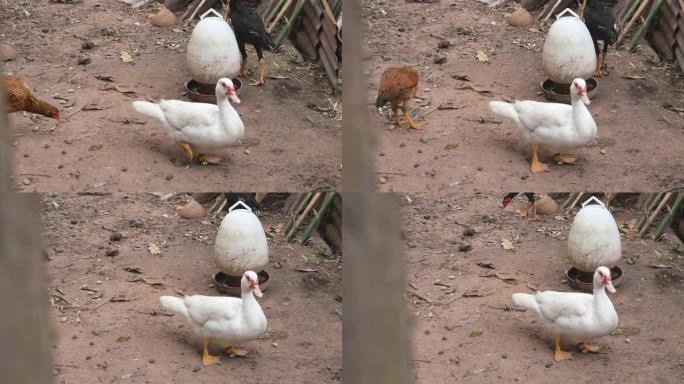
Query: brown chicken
20	98
397	87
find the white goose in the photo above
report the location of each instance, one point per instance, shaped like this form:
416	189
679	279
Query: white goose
556	127
227	320
201	125
577	317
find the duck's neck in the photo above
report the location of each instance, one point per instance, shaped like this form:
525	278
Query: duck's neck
583	122
602	303
229	119
250	306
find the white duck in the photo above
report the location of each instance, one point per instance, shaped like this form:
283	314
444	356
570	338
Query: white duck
228	320
554	126
201	125
575	316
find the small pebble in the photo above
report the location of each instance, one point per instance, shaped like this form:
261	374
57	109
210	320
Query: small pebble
116	236
26	181
152	361
603	151
443	44
111	252
196	368
628	341
275	345
84	60
74	337
382	180
504	356
124	169
246	151
88	357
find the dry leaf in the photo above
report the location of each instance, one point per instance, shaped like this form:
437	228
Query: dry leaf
306	270
121	339
461	77
132	269
486	264
154	249
482	57
476	333
151	281
507	244
95	147
126	57
119	298
659	266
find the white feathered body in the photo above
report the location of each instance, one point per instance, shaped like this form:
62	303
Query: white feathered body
554	126
205	126
227	320
576	317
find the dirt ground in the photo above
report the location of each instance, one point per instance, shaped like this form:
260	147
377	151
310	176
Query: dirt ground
467	147
482	340
288	145
125	335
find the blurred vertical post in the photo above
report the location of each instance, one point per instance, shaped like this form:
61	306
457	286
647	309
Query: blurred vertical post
375	327
24	336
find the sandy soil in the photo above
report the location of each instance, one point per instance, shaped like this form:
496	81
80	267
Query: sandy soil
99	340
469	148
483	340
287	146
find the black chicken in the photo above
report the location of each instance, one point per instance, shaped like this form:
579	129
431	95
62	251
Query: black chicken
601	24
530	204
249	28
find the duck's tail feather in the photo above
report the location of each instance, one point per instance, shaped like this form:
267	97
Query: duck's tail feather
149	109
174	304
526	300
504	109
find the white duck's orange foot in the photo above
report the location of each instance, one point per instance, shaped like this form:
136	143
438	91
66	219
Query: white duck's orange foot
538	166
208	159
560	354
207	358
236	352
560	159
588	348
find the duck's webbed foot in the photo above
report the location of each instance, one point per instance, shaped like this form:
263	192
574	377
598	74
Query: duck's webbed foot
588	348
236	352
559	354
206	158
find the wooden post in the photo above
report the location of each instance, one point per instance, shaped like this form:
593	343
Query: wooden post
375	322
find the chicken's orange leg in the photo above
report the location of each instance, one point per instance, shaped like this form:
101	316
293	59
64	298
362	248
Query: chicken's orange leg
597	71
395	114
262	71
537	166
559	353
411	123
207	358
243	67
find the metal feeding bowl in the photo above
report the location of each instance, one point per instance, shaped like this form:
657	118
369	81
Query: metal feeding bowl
206	93
560	93
585	280
230	285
